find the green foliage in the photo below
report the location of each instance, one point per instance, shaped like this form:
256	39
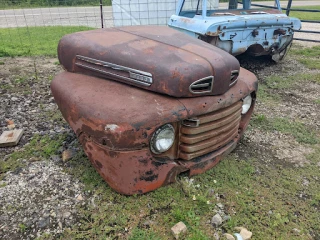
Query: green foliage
22	227
315	16
33	41
310	63
309	57
287	81
38	148
143	234
50	3
306	51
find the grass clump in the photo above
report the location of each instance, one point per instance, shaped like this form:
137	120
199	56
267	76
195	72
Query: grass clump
33	41
284	82
315	16
297	129
38	148
309	57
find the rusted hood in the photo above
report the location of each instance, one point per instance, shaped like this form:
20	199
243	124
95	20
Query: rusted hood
155	58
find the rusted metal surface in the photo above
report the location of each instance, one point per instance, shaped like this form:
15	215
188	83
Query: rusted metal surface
238	30
214	130
158	59
114	123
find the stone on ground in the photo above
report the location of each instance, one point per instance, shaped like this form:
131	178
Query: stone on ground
179	229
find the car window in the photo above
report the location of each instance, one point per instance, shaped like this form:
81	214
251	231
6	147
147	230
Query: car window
190	8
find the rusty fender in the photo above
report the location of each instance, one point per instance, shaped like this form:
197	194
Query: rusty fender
115	122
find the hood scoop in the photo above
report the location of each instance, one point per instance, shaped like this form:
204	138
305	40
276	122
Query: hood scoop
203	85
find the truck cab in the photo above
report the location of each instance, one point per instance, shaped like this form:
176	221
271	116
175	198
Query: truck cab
237	27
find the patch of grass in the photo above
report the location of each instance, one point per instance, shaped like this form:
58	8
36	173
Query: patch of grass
306	15
309	57
297	129
20	80
51	3
39	147
267	95
33	41
317	101
143	234
310	63
287	81
22	227
1	63
313	52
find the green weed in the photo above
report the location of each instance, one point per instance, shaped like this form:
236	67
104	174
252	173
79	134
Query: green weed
306	15
33	41
143	234
310	63
313	52
22	227
39	147
287	81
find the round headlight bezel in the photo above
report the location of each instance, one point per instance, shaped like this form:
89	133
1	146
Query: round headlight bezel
246	104
154	138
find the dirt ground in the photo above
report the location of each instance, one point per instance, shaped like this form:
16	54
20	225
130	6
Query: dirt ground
26	99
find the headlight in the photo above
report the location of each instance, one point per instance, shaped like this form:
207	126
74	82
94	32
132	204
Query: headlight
246	104
162	139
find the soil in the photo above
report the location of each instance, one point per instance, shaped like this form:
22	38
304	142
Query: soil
41	198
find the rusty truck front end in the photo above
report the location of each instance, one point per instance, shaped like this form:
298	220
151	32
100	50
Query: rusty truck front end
149	103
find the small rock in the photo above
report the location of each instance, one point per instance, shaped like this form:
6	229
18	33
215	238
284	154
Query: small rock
34	159
148	223
229	236
296	230
67	155
13	99
11	126
43	222
216	236
66	215
179	229
216	220
55	158
79	197
220	205
226	218
245	234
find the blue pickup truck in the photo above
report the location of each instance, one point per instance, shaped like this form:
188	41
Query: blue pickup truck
237	27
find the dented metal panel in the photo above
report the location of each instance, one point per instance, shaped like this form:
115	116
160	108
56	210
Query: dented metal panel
115	123
158	59
236	30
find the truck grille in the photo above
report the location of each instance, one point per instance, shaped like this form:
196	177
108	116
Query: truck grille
209	132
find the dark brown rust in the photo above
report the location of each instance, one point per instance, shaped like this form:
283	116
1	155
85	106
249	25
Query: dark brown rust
158	59
115	121
103	111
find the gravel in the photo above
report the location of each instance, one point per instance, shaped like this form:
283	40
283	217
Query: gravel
39	198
